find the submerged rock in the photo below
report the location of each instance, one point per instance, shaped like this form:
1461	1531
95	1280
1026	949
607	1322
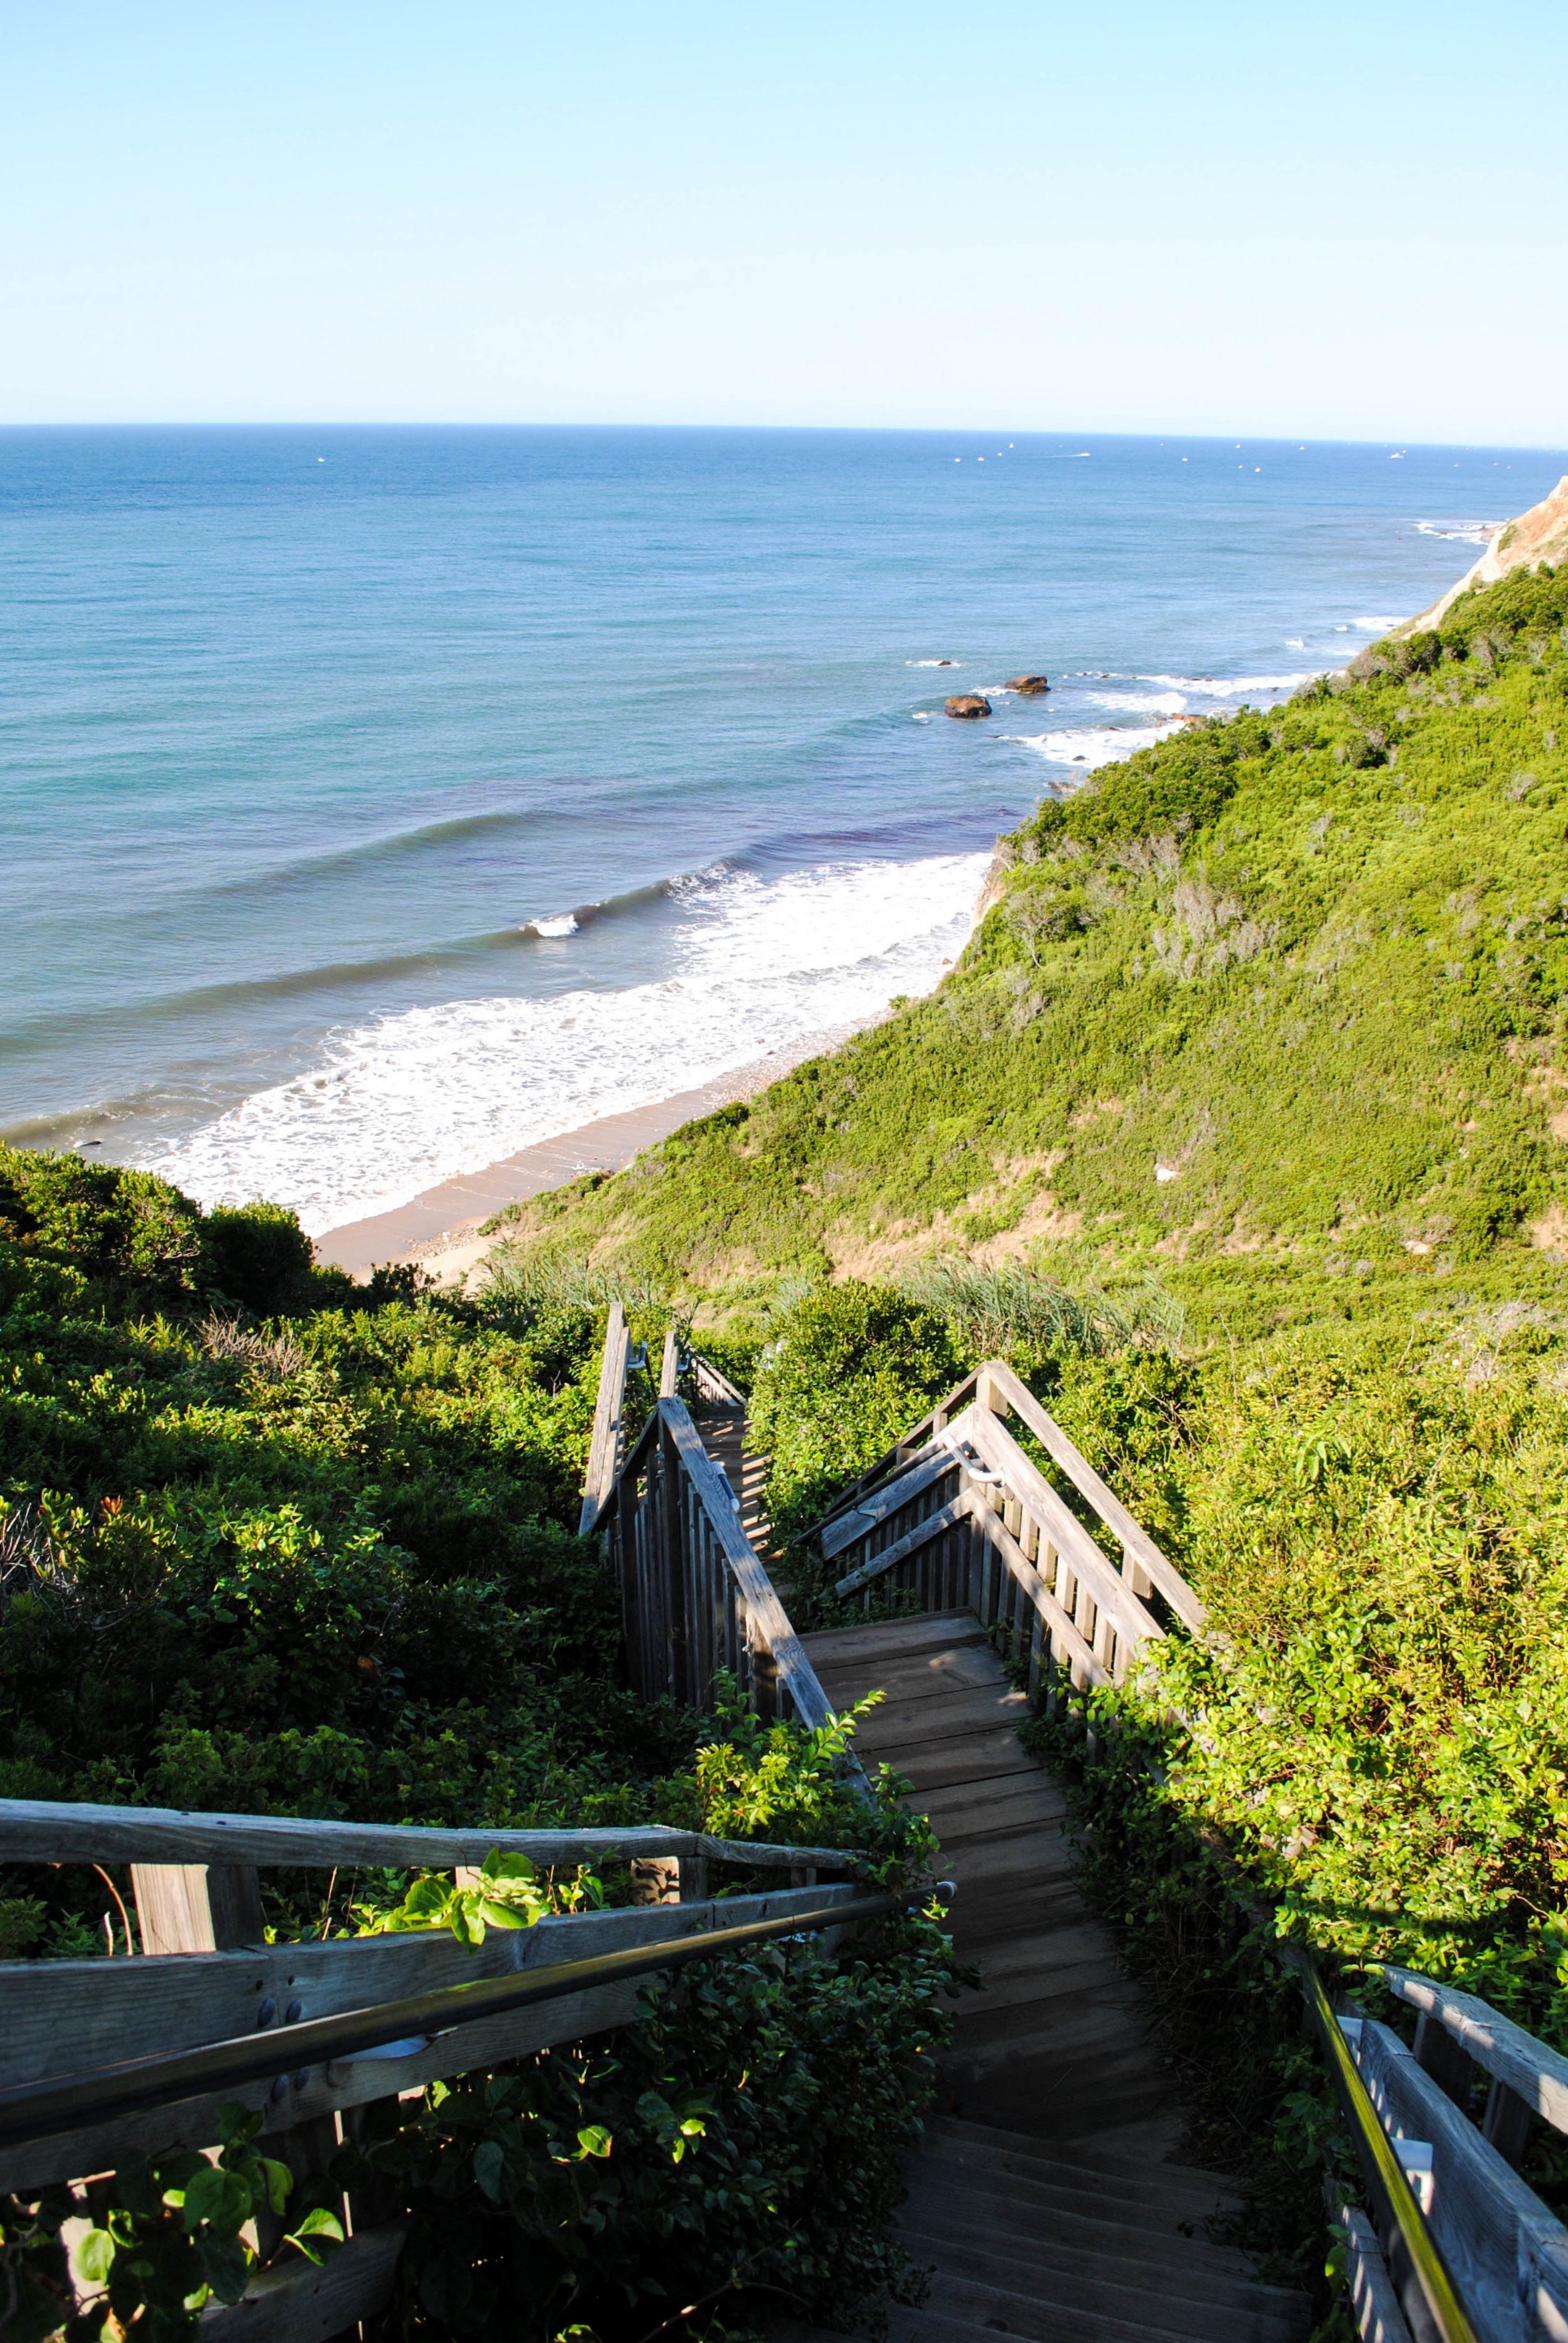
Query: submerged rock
968	703
1031	686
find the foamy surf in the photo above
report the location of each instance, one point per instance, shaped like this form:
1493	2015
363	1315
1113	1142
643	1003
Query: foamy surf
398	1104
1091	744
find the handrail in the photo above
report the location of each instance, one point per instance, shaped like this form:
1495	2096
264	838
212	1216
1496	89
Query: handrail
35	2111
1384	2173
1535	2074
38	1830
604	1446
899	1455
1130	1534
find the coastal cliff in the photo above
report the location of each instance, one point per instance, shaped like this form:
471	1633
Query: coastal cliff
1540	535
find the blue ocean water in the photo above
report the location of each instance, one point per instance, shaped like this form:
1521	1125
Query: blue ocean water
374	802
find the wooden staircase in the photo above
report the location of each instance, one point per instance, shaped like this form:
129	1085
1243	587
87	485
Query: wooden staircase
1047	2201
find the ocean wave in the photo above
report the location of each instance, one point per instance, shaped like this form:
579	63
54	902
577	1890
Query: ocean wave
401	1102
563	923
1090	744
1142	703
1375	626
933	662
1460	532
1229	687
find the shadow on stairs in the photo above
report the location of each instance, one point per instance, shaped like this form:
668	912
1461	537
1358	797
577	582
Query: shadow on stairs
1045	2201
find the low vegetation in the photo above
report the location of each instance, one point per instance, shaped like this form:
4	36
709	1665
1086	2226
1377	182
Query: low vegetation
1242	1129
274	1543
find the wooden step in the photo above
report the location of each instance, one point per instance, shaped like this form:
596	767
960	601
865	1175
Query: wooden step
1030	2260
994	2148
927	1630
977	2288
1011	2206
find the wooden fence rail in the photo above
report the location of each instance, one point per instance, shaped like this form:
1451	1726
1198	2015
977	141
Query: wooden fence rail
959	1516
67	2027
695	1598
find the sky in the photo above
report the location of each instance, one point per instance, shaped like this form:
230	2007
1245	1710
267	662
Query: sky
1169	216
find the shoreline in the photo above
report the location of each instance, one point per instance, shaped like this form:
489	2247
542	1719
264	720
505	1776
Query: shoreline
440	1228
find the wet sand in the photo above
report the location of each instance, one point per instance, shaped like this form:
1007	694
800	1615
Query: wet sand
440	1228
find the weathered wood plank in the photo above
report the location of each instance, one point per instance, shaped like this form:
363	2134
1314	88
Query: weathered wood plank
34	1830
1111	1592
1533	2073
1374	2305
299	2302
874	1511
603	1446
69	2015
902	1548
1490	2225
1128	1533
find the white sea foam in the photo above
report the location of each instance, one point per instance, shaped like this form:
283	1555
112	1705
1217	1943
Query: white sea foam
933	662
1229	687
1375	626
396	1105
1141	703
1089	744
1460	532
562	925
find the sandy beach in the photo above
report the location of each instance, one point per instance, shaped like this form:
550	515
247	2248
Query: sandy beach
441	1230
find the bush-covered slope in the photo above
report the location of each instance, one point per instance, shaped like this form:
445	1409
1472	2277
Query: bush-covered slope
1273	1009
1241	1127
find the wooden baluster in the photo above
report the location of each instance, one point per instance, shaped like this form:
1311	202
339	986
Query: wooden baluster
197	1907
624	1554
672	1561
670	1368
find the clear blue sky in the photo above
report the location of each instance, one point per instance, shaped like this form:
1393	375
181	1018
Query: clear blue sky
1147	214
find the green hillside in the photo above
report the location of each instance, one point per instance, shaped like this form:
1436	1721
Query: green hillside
1240	1128
1272	1012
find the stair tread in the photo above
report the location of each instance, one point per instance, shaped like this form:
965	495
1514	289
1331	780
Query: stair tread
967	2131
1030	2265
1026	2228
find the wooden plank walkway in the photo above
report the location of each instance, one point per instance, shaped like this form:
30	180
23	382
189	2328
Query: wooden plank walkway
1046	2201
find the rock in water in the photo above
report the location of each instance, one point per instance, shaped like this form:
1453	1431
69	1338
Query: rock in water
1031	686
968	703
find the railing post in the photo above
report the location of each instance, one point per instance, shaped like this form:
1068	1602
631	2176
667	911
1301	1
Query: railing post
197	1907
603	1449
672	1541
670	1368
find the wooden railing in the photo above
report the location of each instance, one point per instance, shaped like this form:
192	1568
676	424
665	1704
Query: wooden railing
79	2035
959	1516
696	1600
1461	2247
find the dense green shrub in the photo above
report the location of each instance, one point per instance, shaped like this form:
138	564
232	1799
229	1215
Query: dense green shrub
745	2138
849	1369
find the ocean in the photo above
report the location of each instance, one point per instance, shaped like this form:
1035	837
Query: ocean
377	802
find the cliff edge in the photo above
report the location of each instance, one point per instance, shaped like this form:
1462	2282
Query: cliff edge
1538	535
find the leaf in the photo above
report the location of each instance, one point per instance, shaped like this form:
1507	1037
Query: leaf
218	2197
317	2234
279	2180
501	1916
94	2258
490	2169
593	2140
227	2265
237	2125
497	1866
